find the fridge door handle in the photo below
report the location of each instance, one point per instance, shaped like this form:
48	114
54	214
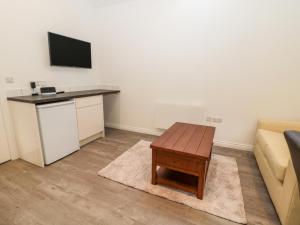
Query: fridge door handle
50	105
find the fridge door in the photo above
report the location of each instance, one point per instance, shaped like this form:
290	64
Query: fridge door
58	128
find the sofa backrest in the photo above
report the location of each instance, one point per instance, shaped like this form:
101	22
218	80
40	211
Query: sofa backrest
293	141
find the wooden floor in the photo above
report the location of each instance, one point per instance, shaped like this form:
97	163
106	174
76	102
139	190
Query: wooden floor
70	192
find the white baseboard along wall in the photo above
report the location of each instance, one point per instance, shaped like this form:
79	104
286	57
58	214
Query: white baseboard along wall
157	132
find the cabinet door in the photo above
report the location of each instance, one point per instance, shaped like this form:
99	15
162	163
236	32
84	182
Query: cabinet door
4	149
90	121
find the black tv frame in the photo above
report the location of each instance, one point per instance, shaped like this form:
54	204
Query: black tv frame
52	63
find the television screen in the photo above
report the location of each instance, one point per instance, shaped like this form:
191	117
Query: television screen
65	51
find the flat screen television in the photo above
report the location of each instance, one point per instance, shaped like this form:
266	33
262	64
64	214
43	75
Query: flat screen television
66	51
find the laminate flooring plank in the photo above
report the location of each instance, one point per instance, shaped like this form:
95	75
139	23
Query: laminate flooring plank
69	191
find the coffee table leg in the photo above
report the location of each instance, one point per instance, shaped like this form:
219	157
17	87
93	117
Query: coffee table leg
201	182
154	173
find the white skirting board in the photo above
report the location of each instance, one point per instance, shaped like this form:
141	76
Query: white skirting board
219	143
233	145
134	129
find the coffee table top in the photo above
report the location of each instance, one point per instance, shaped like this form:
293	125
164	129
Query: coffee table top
188	139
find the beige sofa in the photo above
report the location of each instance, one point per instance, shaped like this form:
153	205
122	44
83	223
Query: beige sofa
273	158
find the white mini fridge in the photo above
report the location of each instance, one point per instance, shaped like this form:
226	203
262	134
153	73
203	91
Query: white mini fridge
58	129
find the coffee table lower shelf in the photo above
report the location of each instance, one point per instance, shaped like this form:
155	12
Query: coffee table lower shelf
177	180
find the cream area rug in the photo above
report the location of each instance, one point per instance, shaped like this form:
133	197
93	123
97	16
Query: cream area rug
222	196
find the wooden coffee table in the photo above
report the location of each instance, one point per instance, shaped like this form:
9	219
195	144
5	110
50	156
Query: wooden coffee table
183	154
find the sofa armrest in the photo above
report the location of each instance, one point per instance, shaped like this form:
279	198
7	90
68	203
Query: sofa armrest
278	126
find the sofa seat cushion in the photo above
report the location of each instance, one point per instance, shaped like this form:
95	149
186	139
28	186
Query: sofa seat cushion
275	149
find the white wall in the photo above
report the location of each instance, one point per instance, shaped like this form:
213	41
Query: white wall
241	59
24	44
24	41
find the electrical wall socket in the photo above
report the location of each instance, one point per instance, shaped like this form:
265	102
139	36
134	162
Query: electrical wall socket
208	119
9	80
214	119
218	120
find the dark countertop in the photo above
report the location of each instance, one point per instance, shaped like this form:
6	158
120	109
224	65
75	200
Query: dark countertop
61	97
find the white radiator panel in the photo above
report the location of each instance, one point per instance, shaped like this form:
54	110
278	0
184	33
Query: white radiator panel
167	113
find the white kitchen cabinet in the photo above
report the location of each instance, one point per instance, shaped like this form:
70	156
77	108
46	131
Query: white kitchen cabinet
27	132
4	149
90	118
41	123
